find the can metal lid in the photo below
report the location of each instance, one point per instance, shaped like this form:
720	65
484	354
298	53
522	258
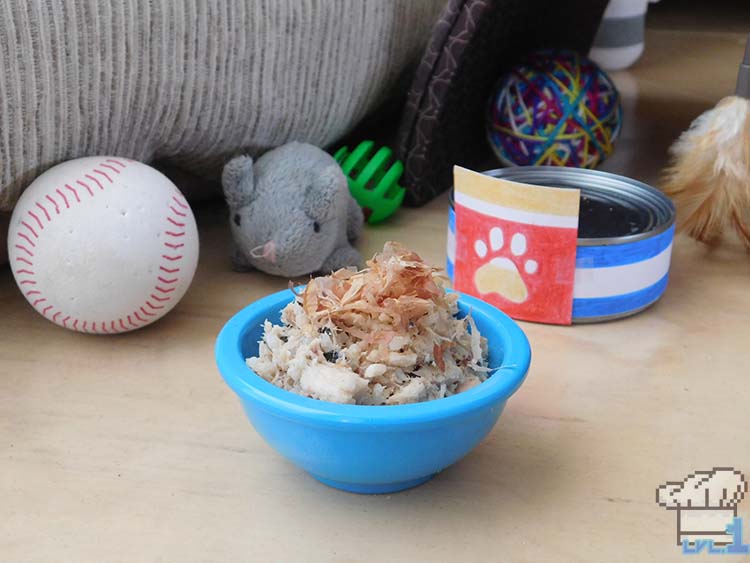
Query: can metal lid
614	209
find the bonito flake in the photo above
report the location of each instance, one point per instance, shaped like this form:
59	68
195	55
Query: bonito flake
386	335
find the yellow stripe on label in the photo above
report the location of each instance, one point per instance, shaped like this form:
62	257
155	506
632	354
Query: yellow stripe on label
524	197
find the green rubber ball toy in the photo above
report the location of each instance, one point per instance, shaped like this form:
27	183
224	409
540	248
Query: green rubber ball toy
371	181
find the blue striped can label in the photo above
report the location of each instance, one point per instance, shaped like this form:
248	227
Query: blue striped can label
611	281
451	243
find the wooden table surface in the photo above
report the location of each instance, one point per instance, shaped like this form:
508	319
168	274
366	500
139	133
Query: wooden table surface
131	448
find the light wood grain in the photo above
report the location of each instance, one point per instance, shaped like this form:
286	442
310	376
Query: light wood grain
131	448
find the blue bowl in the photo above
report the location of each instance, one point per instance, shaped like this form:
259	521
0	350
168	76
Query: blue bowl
372	449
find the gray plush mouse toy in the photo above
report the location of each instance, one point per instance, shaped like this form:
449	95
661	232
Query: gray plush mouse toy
291	212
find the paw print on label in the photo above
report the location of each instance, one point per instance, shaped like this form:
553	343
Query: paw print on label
501	274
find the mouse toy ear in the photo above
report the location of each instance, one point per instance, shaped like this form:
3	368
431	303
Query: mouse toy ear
238	181
320	195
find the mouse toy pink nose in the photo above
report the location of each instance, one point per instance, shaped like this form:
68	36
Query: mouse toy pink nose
269	251
266	251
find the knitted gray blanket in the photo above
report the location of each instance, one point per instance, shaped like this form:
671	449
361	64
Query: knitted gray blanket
192	81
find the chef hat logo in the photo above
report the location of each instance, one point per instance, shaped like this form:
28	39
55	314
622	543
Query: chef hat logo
722	487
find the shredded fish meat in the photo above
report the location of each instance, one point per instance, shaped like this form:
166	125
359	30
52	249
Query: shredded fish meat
386	335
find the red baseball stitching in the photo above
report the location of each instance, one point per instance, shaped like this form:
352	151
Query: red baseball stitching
176	219
103	174
65	199
33	232
41	227
27	239
57	208
75	193
97	182
39	205
80	183
26	250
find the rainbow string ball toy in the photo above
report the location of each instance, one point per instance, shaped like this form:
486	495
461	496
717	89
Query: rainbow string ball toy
556	108
373	179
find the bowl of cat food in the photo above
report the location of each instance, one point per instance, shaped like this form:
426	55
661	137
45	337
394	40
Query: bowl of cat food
373	381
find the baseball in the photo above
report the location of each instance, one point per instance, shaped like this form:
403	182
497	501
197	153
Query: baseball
103	244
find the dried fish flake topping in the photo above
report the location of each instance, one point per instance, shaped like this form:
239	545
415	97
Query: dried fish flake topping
387	334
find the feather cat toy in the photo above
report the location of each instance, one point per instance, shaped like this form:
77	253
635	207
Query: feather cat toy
709	176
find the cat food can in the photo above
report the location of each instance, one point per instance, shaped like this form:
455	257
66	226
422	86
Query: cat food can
625	233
